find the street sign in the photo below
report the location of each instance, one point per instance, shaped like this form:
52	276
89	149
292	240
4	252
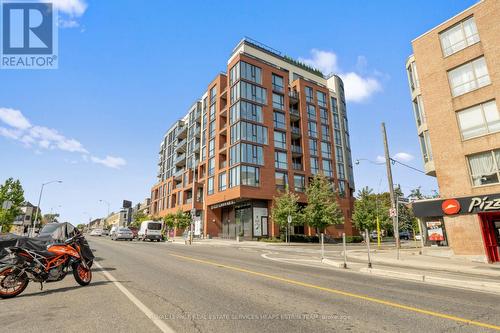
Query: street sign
392	212
289	219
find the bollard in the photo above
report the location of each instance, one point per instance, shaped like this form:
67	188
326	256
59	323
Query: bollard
367	239
322	246
345	249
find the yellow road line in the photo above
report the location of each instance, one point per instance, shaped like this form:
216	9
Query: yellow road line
344	293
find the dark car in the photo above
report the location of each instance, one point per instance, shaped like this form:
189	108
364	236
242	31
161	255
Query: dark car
134	231
404	235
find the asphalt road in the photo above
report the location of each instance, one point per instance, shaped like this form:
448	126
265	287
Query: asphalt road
207	288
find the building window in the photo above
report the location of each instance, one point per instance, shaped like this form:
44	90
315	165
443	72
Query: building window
211	148
340	170
299	183
312	130
279	139
246	153
342	188
211	129
211	166
326	150
251	72
321	96
338	137
280	160
234	74
250	175
418	109
313	147
279	120
252	92
213	94
484	168
339	154
425	144
309	95
245	110
278	101
459	36
314	166
325	132
281	180
234	177
212	111
210	187
334	105
468	77
248	132
235	93
311	112
222	181
323	113
479	120
327	168
277	83
413	76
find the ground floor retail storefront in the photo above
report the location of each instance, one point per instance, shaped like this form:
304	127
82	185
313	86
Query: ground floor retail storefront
471	225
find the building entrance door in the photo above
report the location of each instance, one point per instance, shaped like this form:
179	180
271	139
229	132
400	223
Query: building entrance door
491	236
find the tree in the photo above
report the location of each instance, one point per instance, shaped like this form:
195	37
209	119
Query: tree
182	220
322	209
12	192
365	210
50	218
169	221
138	218
283	205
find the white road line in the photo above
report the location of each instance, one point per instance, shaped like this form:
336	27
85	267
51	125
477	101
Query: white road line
150	314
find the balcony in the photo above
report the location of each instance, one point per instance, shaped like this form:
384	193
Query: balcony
222	164
178	186
294	97
296	132
182	132
180	160
296	150
181	146
294	114
223	129
178	174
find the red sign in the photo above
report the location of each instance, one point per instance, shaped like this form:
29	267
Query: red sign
450	206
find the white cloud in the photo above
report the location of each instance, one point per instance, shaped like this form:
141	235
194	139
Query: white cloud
403	157
73	8
380	159
358	86
109	161
20	129
14	118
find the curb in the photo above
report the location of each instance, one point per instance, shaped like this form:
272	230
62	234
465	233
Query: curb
394	274
332	263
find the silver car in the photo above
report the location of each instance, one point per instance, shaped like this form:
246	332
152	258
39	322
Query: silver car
122	233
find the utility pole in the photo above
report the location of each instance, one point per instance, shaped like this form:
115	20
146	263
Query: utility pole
391	187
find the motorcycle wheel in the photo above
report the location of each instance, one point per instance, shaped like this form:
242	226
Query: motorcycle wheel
10	284
82	275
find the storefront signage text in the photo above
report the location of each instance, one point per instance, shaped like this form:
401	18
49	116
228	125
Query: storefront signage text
483	204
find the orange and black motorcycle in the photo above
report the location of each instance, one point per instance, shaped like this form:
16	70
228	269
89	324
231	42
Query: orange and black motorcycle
49	265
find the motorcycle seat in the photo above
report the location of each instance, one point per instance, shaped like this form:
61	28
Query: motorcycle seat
46	254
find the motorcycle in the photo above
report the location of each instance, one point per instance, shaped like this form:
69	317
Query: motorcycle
52	265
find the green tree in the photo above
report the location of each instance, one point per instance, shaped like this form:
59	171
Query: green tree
182	220
365	210
283	205
169	221
138	218
322	209
10	192
50	218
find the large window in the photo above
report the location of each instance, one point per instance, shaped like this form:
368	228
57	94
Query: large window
418	108
279	120
326	150
251	72
327	168
234	176
321	96
281	180
311	112
314	166
213	94
299	183
280	160
211	129
210	187
279	139
234	74
252	92
246	153
245	110
211	148
278	83
323	113
339	154
484	168
425	144
459	36
312	130
479	120
249	132
309	95
340	170
222	181
325	132
211	166
468	77
313	147
278	101
250	175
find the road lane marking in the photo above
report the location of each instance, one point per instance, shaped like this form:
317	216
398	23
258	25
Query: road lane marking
150	314
344	293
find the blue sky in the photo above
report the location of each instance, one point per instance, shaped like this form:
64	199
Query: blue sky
128	69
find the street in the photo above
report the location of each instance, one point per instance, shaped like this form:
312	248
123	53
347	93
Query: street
210	288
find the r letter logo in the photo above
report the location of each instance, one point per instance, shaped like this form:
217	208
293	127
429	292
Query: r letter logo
29	35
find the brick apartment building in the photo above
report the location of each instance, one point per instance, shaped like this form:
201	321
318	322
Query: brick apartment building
272	122
454	77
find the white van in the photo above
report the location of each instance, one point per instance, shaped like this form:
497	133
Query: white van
150	230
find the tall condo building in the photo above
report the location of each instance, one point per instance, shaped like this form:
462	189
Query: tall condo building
270	123
454	76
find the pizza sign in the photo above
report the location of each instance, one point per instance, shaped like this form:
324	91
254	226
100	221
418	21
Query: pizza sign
450	207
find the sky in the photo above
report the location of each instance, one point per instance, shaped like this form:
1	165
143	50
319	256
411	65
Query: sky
128	69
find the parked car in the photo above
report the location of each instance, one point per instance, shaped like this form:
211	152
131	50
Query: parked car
122	233
105	232
96	232
418	237
134	230
404	235
374	235
112	231
150	230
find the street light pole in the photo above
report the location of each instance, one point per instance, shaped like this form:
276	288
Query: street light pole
108	204
38	205
391	186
